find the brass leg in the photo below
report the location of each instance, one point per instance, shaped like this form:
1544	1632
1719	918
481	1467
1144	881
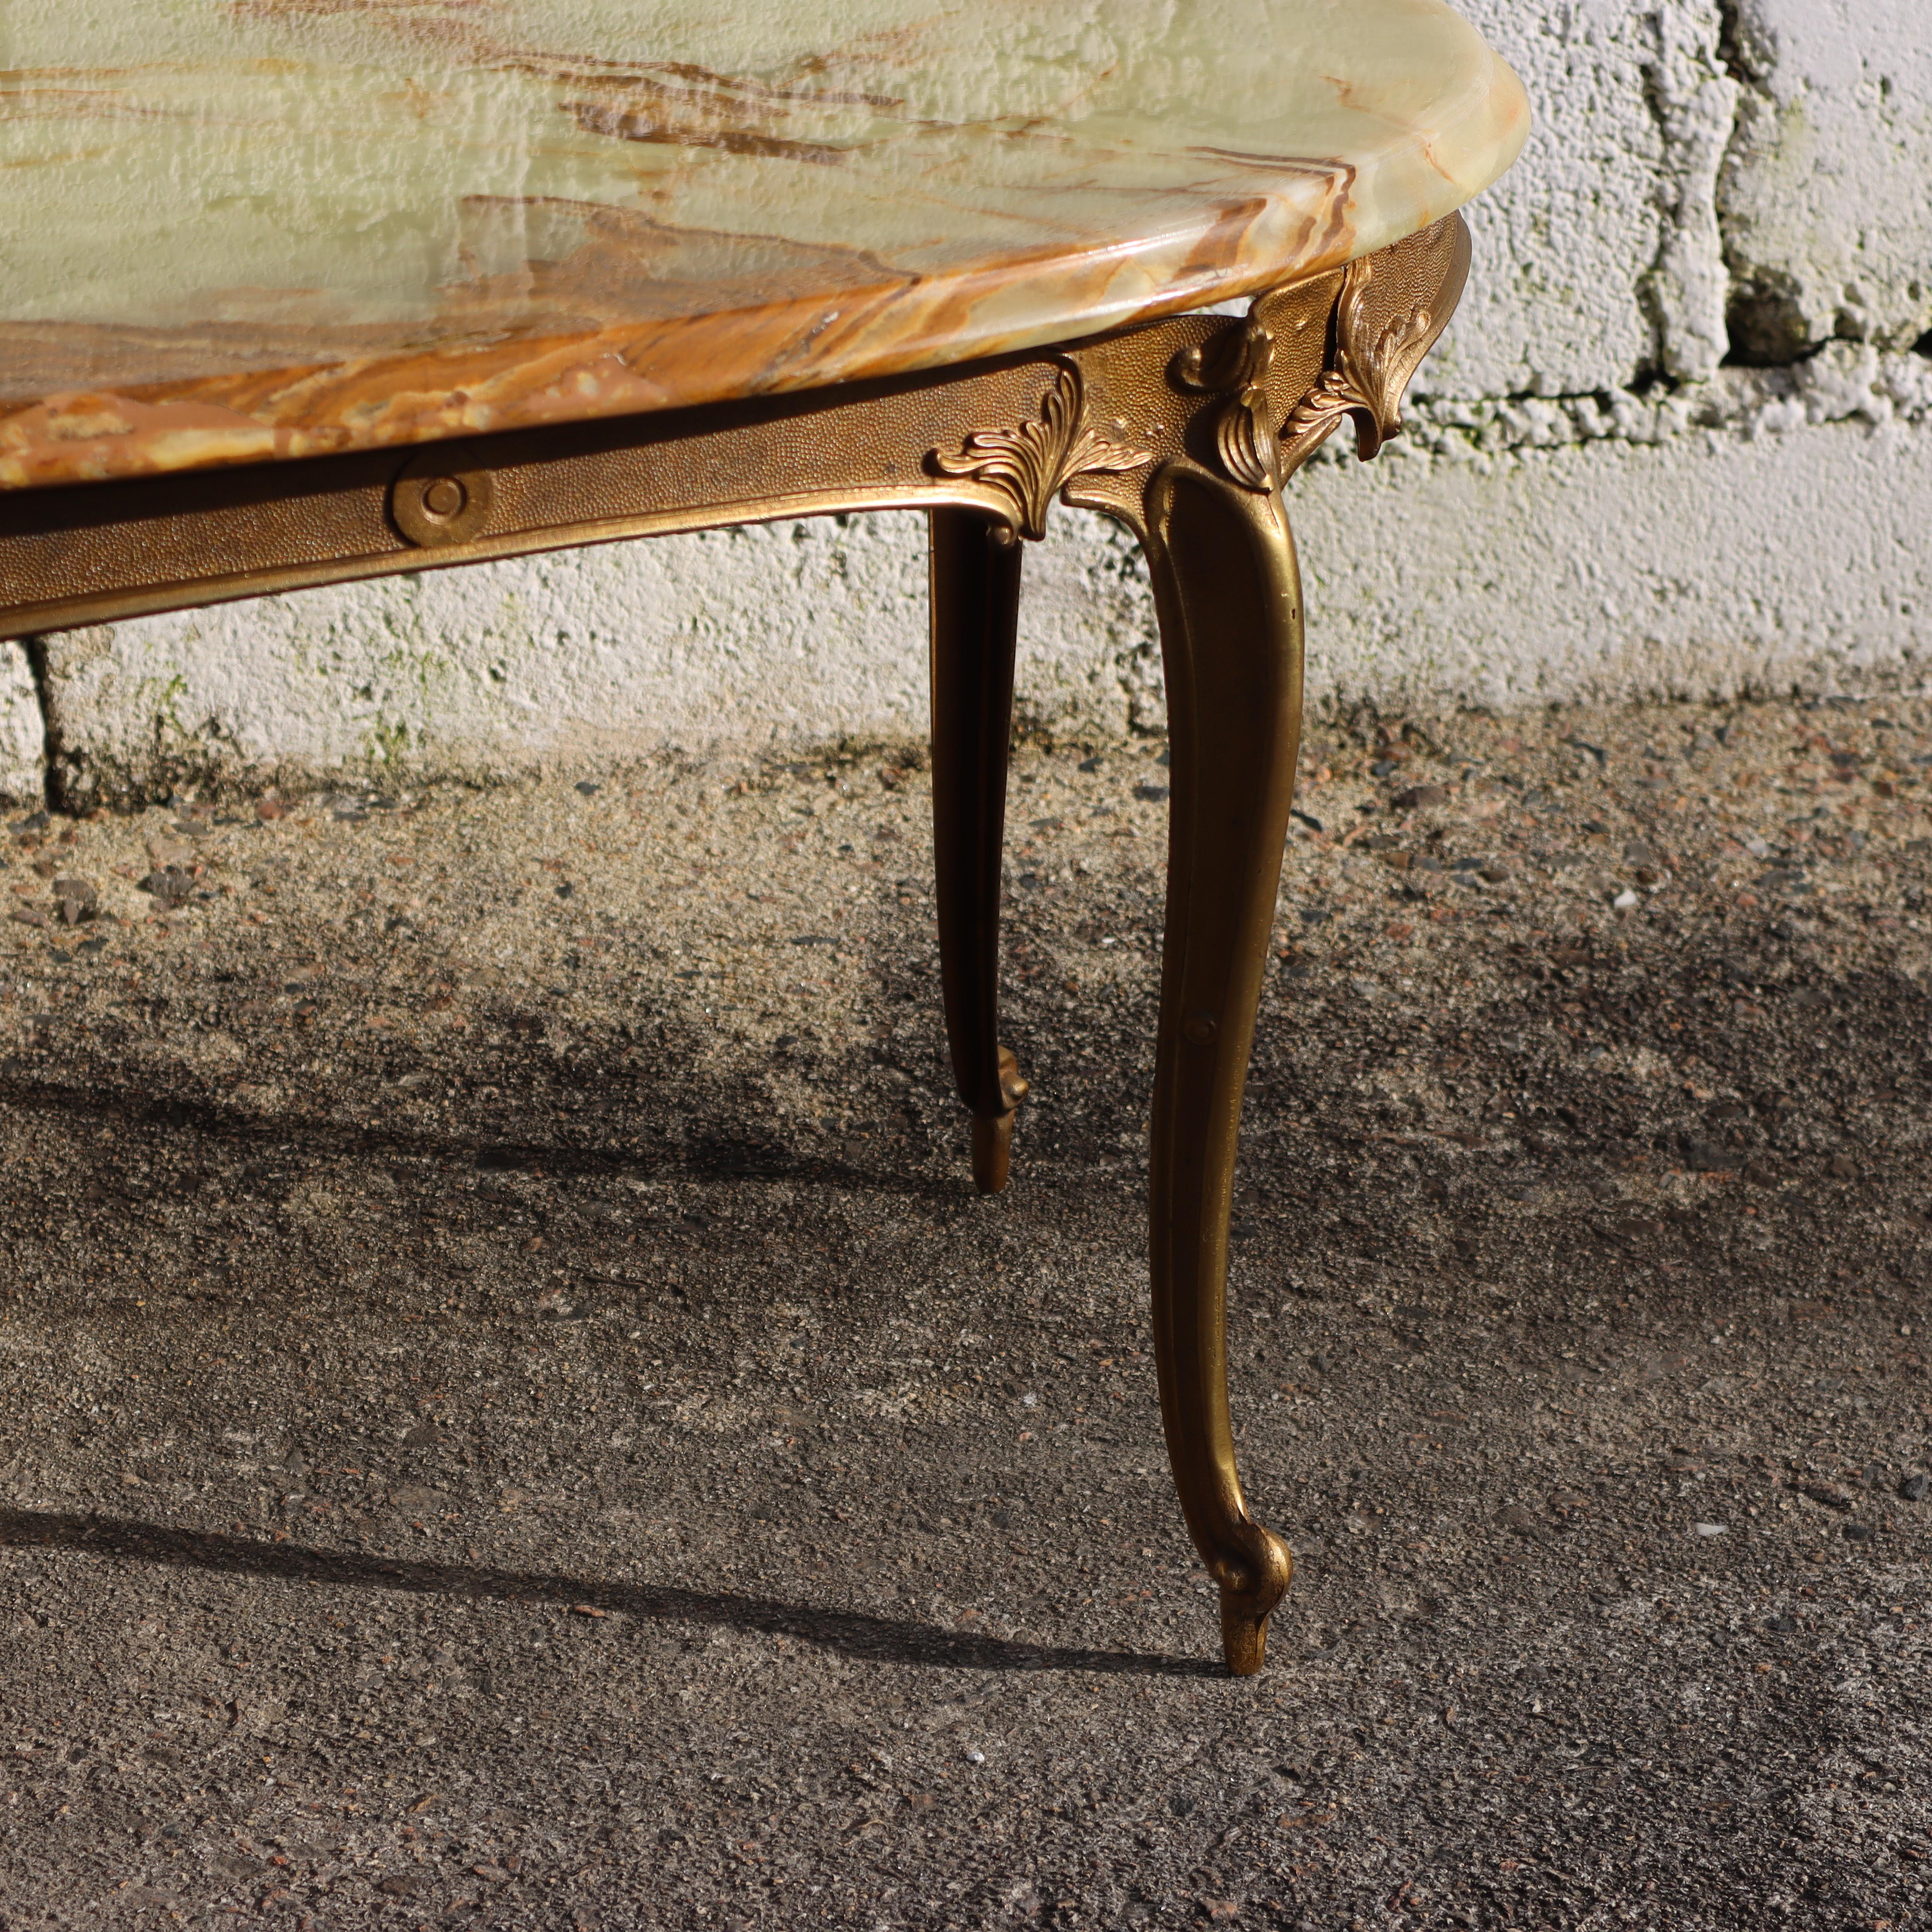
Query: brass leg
1228	594
976	596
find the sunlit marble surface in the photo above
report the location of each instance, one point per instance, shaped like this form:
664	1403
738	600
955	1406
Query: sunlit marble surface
237	229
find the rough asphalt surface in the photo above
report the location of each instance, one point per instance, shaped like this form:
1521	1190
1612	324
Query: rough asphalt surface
510	1416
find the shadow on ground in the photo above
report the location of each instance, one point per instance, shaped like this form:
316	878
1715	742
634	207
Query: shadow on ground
511	1416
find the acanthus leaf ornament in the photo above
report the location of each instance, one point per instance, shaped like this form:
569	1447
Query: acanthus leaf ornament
1240	362
1367	371
1367	377
1030	465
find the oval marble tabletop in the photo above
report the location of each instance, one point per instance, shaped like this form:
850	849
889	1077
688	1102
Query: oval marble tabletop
235	230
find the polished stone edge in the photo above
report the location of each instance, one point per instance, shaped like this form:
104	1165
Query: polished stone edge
396	399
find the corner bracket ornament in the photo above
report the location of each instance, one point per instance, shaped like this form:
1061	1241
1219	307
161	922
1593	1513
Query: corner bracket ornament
1240	364
1029	465
1368	368
1366	379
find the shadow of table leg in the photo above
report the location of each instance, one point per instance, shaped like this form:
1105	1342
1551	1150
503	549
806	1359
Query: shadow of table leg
855	1633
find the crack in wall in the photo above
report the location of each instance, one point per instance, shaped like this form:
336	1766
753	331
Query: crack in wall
1845	383
34	650
1693	100
1733	31
1739	277
1822	196
1763	318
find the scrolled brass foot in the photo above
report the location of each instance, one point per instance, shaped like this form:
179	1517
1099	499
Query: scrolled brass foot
1251	1586
1013	1083
993	1135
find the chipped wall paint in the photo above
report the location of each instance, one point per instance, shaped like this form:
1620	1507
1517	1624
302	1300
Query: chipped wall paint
1592	501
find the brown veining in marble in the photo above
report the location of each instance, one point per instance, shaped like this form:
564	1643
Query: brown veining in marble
630	124
672	208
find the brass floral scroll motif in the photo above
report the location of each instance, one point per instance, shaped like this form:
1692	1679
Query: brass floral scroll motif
1029	465
1239	363
1365	380
1367	371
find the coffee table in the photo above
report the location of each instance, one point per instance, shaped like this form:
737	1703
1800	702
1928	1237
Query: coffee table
303	290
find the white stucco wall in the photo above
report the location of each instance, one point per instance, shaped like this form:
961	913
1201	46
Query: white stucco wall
1595	500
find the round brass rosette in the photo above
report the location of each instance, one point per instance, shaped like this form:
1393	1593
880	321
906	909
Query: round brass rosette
433	505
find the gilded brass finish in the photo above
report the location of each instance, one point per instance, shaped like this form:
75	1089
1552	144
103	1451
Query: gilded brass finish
1031	464
1184	430
976	603
1388	312
1229	600
1238	364
992	1144
434	506
1379	345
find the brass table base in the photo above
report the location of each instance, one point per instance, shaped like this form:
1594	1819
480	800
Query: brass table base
1186	431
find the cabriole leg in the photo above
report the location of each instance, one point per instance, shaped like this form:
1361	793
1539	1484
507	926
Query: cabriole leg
1228	593
975	595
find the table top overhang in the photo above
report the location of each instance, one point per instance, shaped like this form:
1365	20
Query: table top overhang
237	231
